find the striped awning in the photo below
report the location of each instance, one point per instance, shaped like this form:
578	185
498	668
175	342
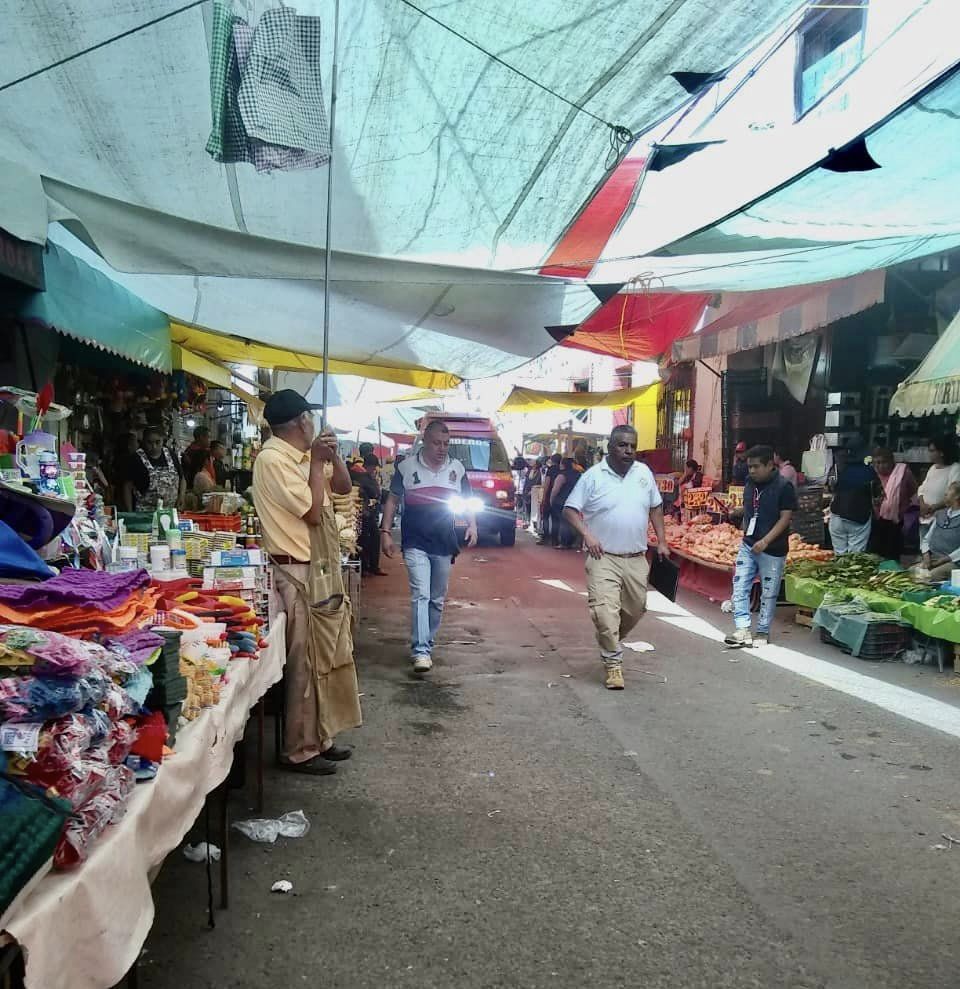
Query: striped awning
746	320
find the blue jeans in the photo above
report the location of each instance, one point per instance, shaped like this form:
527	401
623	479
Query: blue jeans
849	537
746	569
429	577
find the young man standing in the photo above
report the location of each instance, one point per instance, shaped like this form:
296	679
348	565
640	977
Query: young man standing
610	508
769	502
426	482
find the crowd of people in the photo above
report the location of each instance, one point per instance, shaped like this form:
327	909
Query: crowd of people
600	503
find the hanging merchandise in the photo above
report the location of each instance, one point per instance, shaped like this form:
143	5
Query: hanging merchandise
257	119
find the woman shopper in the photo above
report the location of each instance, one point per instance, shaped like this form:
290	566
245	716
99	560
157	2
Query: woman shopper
563	485
898	494
941	543
944	470
851	511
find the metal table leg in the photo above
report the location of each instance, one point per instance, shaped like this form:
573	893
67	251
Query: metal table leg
261	709
224	847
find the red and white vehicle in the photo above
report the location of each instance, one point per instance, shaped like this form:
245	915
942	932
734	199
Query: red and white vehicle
474	441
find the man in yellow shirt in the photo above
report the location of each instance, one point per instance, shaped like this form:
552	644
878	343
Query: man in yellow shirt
292	495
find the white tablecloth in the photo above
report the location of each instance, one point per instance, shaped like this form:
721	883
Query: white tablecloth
84	929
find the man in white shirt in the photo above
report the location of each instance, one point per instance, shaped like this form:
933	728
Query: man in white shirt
610	508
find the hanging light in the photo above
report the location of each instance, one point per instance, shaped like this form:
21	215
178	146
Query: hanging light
191	422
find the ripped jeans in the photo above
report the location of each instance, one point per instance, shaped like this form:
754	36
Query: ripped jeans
746	569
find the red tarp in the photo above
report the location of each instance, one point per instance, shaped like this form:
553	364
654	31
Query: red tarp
577	252
634	326
638	326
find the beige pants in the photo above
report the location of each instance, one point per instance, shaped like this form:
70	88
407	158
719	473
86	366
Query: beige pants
617	596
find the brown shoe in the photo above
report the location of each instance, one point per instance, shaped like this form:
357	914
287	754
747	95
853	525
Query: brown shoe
613	680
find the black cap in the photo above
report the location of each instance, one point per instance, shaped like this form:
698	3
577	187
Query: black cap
285	405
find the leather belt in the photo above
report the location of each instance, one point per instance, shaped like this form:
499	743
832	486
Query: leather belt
287	561
625	556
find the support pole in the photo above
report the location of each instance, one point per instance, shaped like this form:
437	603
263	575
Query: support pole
326	253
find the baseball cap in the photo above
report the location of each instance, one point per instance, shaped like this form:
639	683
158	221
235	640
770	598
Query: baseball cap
741	447
284	405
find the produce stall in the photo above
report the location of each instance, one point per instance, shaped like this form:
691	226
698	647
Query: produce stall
858	576
706	551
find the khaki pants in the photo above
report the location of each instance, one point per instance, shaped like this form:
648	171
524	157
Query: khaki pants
617	596
302	740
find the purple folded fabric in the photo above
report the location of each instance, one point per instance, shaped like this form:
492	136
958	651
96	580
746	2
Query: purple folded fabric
78	588
139	645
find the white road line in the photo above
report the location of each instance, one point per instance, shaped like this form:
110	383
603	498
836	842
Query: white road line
897	700
557	585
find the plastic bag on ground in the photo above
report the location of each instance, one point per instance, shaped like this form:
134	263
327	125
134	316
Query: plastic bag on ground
293	824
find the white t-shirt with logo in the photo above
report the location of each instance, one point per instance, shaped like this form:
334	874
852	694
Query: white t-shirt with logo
617	509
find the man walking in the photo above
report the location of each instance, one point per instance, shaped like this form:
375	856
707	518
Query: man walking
426	482
610	508
292	495
769	501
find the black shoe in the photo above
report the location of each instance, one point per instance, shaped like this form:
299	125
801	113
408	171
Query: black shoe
336	753
317	766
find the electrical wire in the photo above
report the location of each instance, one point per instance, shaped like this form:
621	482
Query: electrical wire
619	135
100	44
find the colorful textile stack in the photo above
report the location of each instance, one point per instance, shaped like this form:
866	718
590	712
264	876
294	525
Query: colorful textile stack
81	603
64	710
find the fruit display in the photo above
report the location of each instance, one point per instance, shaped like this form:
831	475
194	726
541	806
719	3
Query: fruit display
719	544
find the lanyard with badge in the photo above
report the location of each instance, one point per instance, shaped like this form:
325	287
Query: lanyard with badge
752	525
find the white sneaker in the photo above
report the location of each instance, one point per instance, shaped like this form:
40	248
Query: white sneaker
422	664
761	639
739	639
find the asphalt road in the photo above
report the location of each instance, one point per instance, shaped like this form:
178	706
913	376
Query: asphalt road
732	819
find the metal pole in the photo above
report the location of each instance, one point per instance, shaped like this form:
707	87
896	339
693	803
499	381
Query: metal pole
326	253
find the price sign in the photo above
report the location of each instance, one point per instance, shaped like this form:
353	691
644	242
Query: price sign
666	483
696	497
735	497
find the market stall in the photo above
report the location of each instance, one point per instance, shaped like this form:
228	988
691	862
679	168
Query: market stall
130	658
705	545
84	929
931	610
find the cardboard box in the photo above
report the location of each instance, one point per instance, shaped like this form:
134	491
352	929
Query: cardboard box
237	558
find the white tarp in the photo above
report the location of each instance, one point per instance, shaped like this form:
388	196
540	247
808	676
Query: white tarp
384	312
439	152
824	224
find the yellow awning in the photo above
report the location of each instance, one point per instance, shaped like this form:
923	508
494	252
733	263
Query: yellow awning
529	400
238	350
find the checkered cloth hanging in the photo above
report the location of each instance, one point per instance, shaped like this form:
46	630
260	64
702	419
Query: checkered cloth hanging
266	91
281	92
228	139
264	156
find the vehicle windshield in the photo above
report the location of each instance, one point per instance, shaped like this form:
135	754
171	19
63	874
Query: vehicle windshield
479	454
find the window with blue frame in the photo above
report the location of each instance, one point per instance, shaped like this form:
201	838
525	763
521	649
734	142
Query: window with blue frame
829	48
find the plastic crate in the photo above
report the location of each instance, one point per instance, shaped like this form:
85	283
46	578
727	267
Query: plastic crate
884	640
213	523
